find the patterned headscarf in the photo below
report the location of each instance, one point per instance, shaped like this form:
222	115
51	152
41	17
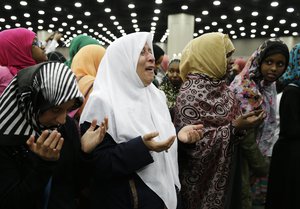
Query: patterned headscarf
292	74
254	93
15	50
203	55
76	44
204	98
31	92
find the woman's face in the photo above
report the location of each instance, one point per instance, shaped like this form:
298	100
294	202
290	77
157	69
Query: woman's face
57	115
273	67
146	65
174	74
38	51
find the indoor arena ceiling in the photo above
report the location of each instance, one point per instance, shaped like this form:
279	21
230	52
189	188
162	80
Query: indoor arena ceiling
107	20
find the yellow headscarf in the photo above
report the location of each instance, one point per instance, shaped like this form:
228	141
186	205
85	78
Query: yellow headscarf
206	54
85	66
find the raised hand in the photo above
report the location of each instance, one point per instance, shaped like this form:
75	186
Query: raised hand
249	120
190	134
94	136
47	146
157	146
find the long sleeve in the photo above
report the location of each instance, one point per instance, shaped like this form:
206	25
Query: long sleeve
113	160
23	177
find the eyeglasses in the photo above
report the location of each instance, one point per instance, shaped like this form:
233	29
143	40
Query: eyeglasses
37	43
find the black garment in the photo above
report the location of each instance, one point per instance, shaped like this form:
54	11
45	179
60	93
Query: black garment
284	181
24	176
114	169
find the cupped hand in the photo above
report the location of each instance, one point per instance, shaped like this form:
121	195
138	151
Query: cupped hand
157	146
94	136
47	146
249	120
191	133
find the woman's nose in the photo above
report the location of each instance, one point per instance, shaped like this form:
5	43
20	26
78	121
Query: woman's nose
61	118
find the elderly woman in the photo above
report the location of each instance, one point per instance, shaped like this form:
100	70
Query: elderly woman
207	167
136	164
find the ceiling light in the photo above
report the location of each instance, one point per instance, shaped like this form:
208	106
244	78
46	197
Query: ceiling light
119	27
195	34
265	27
71	28
54	19
41	12
156	11
26	15
40	27
133	14
239	20
232	32
100	25
134	20
263	33
286	32
243	34
51	26
153	24
253	30
131	6
207	27
254	13
70	16
242	28
2	20
23	3
293	25
28	23
270	18
220	30
184	7
237	8
153	28
116	23
214	23
104	29
295	33
137	30
223	17
290	10
100	1
216	3
274	4
64	24
273	35
276	29
58	9
234	37
107	10
77	4
253	23
87	13
7	7
205	12
228	26
252	35
200	31
79	31
282	21
7	26
112	17
158	1
40	21
155	18
91	30
135	26
198	19
79	22
13	17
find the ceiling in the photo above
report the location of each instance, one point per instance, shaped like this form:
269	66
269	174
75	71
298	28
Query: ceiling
107	20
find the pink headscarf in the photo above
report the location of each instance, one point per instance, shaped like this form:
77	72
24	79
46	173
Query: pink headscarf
15	50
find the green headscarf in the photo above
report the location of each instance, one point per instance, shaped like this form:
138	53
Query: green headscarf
77	43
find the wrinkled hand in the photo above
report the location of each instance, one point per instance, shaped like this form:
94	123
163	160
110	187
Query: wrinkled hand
249	120
157	146
47	146
94	136
190	134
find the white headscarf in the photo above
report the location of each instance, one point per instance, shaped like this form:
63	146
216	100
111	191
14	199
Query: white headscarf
135	110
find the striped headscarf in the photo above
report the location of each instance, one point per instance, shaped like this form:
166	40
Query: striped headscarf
32	92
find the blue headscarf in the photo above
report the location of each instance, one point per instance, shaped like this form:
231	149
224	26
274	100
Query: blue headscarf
292	74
